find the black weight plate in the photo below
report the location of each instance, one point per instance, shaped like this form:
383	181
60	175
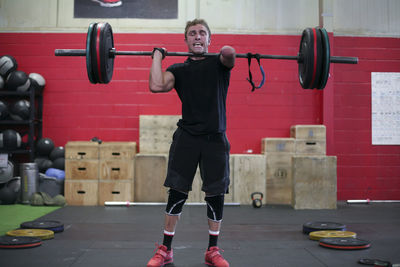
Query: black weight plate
317	58
19	242
93	54
374	262
309	227
106	44
54	226
306	63
88	53
326	54
347	243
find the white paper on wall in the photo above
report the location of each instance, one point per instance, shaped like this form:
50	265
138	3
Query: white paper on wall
385	101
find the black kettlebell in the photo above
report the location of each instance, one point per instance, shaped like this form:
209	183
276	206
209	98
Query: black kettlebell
257	202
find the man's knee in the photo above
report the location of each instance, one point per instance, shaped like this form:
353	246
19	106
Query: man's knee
176	200
215	207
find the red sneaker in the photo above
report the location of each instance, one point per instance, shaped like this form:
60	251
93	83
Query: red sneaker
161	257
214	258
108	3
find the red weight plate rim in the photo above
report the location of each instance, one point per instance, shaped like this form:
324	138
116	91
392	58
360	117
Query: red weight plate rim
344	247
22	246
315	57
99	26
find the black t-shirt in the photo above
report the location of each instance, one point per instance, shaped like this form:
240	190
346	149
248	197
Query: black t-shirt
202	86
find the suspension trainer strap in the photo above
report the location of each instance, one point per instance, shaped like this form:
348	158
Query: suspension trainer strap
250	79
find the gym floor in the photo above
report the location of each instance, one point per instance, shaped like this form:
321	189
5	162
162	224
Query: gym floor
269	236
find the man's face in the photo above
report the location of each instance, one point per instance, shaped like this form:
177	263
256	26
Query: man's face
197	39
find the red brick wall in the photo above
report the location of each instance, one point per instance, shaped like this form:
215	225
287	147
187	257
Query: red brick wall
74	109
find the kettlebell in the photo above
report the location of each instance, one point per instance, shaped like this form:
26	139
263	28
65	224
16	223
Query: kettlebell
257	202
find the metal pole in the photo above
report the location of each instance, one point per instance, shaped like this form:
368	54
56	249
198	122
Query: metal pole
113	52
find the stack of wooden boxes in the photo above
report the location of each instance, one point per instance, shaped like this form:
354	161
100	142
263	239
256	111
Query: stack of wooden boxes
314	173
95	173
116	181
155	136
81	173
279	153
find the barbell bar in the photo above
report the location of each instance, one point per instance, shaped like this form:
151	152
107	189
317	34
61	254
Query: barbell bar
313	58
113	53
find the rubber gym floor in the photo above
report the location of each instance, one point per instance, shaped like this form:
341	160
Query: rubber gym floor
268	236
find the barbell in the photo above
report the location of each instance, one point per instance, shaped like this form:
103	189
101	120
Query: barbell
313	59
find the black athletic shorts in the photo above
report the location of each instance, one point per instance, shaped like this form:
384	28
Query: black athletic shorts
209	152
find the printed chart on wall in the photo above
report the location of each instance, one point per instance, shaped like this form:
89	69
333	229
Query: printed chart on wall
385	108
139	9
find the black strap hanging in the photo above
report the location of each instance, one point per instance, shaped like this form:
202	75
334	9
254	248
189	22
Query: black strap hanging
250	79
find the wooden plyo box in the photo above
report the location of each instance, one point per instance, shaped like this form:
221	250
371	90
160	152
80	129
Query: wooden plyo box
87	169
308	132
80	150
277	145
111	169
310	147
155	133
279	152
81	193
279	178
249	175
314	182
150	173
118	150
115	191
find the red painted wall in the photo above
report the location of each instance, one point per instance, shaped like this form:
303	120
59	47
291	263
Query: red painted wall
74	109
364	170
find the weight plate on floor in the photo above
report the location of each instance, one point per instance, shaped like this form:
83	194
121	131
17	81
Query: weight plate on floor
326	54
89	68
348	243
40	233
306	58
317	235
309	227
317	58
374	262
19	242
106	44
54	226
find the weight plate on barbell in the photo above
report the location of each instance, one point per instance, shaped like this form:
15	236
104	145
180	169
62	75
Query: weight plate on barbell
326	59
306	62
98	53
88	53
106	61
93	54
317	58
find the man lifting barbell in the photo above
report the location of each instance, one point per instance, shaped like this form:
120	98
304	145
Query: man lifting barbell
201	83
200	140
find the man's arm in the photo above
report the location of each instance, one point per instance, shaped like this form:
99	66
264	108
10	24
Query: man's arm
227	57
160	81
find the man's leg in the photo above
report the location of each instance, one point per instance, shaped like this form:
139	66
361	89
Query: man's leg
164	253
176	200
215	206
